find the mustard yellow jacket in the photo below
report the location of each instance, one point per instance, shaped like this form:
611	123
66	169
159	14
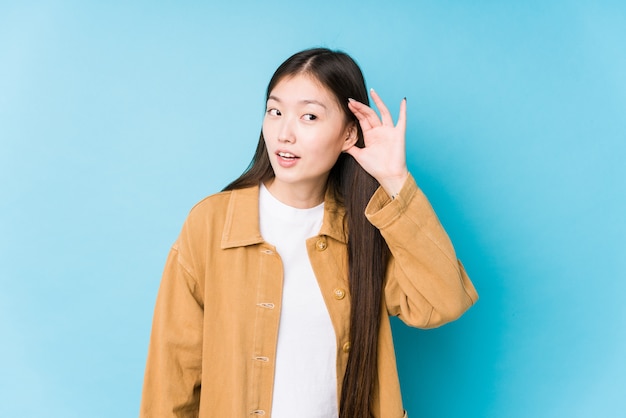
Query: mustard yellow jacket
215	324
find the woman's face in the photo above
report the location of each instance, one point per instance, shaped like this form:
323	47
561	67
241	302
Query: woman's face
305	131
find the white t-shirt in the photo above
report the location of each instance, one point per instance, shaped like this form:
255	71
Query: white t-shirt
305	382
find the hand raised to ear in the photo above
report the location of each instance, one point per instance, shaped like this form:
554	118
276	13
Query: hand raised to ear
384	154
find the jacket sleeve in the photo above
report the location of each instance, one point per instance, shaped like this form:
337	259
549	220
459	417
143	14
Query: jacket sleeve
425	285
174	366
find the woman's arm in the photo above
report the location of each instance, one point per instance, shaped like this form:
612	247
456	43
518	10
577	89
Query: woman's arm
174	367
426	286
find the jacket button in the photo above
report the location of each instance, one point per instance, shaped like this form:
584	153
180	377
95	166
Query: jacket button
339	293
346	347
321	244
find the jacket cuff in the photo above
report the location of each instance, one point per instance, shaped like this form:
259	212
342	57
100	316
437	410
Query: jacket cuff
382	210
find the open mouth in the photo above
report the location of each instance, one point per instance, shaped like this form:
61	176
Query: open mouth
286	155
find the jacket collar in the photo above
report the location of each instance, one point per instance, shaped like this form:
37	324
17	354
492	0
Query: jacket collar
241	227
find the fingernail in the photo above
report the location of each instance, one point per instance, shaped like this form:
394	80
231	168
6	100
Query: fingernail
350	99
405	98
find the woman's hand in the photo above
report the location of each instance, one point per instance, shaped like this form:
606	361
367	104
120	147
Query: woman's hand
384	154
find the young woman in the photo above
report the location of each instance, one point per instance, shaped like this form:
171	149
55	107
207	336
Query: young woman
275	297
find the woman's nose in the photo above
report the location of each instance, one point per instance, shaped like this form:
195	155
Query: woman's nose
286	132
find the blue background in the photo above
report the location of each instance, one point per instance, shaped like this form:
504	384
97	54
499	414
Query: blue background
116	118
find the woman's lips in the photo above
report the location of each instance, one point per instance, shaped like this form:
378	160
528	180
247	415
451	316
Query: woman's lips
286	159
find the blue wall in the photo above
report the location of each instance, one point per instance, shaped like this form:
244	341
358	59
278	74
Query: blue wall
115	119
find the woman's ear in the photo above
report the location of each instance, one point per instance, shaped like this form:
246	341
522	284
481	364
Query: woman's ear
352	135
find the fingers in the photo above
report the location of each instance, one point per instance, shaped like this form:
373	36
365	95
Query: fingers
385	116
369	119
365	115
402	117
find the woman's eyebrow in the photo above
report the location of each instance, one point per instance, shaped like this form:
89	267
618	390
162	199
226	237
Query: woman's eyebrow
316	102
304	101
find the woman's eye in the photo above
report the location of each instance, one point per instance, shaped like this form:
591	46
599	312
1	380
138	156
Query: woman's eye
309	117
273	112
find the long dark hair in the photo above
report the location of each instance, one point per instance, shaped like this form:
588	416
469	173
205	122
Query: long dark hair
367	250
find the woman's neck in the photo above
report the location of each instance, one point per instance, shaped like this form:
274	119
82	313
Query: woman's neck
301	196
